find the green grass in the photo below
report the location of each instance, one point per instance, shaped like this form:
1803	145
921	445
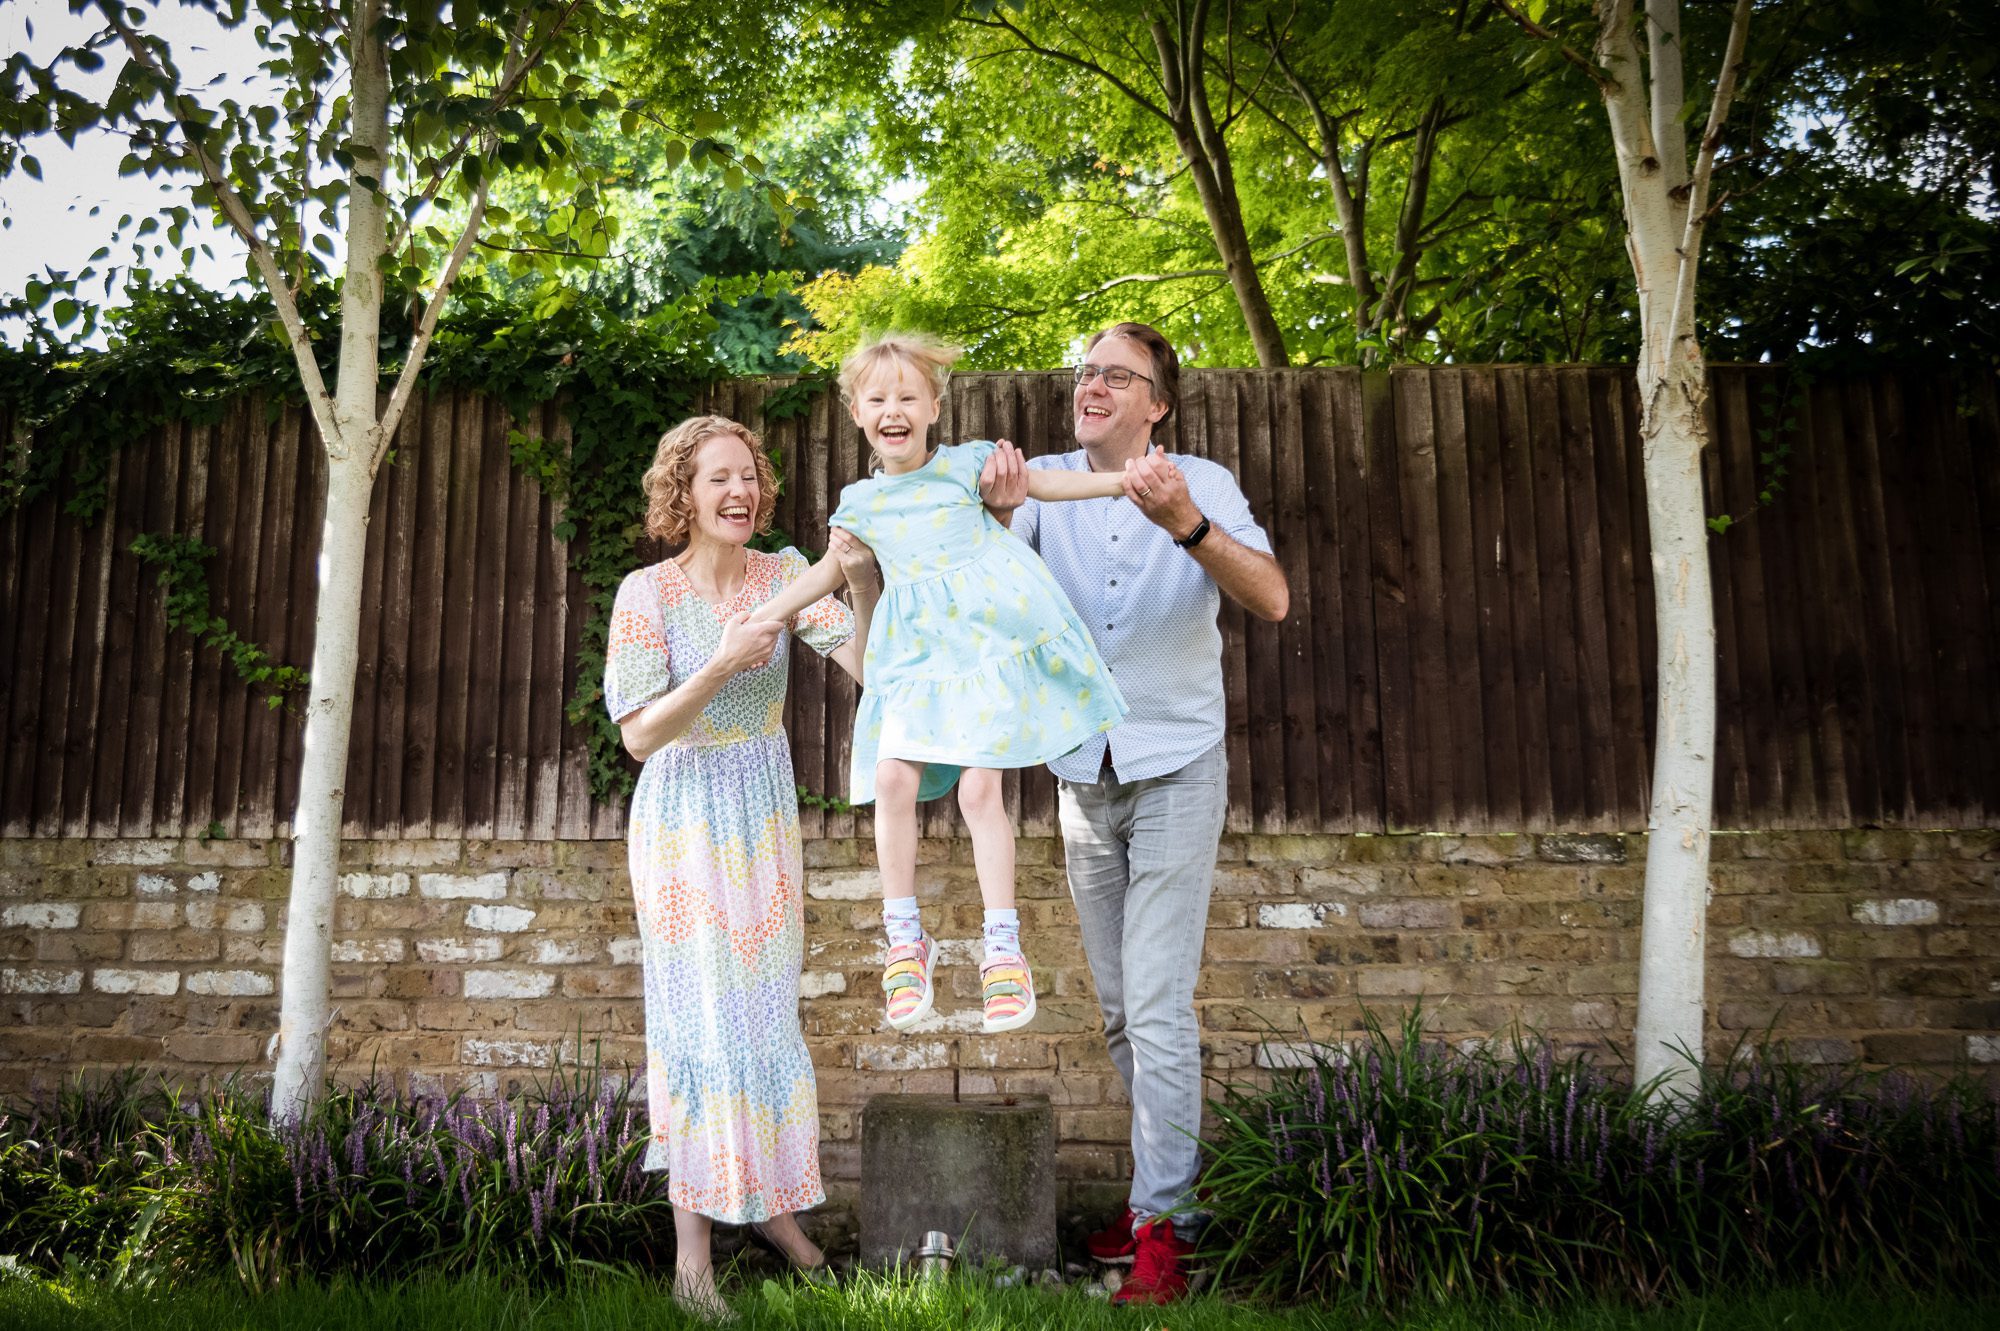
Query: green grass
623	1303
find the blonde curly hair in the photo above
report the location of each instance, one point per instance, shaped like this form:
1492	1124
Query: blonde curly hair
670	480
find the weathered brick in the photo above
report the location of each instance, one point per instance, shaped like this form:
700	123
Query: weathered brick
1574	848
41	915
1983	1048
459	949
186	945
212	1047
498	919
903	1055
506	1053
158	983
1409	915
508	984
1895	910
603	982
1298	914
374	886
625	951
146	852
816	984
39	980
1772	943
509	854
232	983
238	917
358	951
460	886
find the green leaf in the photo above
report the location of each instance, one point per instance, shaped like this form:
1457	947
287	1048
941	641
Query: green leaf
31	167
1721	524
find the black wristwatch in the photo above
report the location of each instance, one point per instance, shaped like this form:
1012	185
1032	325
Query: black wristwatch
1193	538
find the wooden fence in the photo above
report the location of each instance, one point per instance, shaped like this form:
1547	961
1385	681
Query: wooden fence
1470	645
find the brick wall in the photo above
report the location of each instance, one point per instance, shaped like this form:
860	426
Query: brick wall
478	963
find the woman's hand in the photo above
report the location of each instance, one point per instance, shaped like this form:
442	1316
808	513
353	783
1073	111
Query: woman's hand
746	644
857	561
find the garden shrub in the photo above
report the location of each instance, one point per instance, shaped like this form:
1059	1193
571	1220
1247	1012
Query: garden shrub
374	1183
1404	1167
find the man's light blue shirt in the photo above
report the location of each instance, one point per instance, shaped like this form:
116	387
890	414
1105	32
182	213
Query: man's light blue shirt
1151	608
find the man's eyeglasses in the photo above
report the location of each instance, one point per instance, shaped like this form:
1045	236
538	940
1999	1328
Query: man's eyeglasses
1115	376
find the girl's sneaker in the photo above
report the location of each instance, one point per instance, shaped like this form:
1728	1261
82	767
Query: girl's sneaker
1009	992
907	982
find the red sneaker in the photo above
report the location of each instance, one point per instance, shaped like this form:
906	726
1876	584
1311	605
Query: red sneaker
1114	1243
1158	1274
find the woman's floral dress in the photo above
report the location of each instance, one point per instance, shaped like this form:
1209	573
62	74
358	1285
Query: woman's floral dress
716	875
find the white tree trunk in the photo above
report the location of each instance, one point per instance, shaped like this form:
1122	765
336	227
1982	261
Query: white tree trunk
1673	939
306	997
305	1002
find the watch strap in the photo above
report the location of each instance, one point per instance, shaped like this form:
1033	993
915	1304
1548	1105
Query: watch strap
1193	538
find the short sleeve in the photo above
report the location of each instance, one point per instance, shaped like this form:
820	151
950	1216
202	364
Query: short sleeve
637	668
1221	501
846	514
961	463
827	622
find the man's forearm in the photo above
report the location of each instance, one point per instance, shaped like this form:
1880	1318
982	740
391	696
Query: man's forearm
1248	577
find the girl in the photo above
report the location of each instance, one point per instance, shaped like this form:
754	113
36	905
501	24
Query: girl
978	662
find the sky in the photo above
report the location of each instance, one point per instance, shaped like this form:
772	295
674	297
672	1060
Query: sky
51	226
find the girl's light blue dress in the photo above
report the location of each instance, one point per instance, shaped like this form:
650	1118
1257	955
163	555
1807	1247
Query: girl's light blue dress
975	657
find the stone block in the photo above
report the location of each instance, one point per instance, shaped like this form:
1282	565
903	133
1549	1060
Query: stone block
1296	914
1773	943
1895	910
374	886
41	915
462	886
39	980
235	984
448	950
982	1170
498	919
157	983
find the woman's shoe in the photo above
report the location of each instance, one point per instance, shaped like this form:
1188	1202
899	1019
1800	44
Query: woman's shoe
1009	992
907	982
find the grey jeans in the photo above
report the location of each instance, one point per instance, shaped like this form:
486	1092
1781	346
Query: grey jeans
1141	858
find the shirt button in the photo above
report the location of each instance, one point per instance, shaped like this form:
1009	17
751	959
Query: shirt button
1107	626
1114	582
1114	536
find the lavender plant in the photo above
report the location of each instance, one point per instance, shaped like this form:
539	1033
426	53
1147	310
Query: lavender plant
374	1183
1405	1167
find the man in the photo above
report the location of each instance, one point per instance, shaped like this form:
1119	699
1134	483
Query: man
1142	808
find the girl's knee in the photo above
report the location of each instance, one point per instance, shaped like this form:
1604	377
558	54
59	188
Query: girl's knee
979	792
897	781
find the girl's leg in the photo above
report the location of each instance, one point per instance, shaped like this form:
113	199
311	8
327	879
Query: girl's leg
896	783
694	1271
1007	988
907	979
985	810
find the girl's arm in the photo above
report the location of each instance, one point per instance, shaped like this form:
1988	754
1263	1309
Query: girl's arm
857	565
1075	484
822	579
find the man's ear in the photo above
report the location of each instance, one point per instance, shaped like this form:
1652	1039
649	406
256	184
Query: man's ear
1158	412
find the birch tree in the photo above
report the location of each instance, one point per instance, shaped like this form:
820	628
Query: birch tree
1636	59
390	124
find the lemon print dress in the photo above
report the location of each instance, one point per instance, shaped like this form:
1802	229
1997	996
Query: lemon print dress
975	657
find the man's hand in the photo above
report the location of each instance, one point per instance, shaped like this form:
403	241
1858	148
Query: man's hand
1003	481
857	561
1158	488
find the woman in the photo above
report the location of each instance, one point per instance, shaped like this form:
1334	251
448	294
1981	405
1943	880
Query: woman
697	692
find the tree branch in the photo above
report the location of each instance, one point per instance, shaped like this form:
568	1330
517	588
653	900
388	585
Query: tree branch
237	213
1704	171
501	95
1569	53
1030	45
413	360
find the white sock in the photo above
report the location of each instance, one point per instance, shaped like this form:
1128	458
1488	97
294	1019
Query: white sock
900	919
1003	933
